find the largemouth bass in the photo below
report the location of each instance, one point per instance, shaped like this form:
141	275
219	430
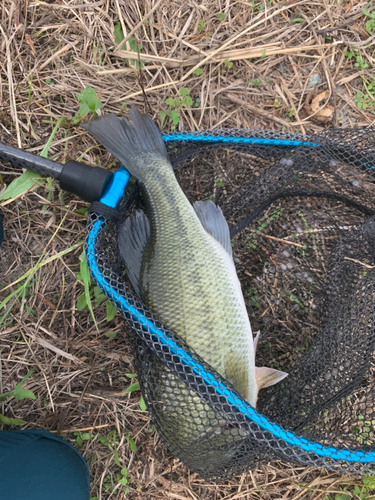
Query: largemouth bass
179	258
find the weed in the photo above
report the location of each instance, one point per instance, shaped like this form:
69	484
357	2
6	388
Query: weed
295	299
198	71
360	64
92	292
111	334
183	100
251	293
364	102
291	114
257	8
20	394
277	103
221	15
23	288
89	103
26	181
362	492
297	20
119	37
201	25
255	82
80	437
370	25
121	477
364	431
135	387
227	66
264	222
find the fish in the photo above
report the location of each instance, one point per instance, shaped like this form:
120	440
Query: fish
179	260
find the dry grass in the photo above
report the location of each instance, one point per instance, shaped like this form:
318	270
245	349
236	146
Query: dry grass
257	60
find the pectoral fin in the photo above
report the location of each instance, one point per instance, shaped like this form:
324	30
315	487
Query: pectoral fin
265	377
133	234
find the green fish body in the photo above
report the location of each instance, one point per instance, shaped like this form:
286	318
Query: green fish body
179	260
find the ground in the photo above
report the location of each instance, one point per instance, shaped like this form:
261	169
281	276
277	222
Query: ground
296	66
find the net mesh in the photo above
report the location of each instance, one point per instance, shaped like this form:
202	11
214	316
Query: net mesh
301	214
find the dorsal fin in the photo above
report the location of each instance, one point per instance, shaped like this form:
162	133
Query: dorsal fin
213	220
133	234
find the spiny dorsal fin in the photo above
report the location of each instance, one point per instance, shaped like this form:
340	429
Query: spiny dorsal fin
133	234
213	220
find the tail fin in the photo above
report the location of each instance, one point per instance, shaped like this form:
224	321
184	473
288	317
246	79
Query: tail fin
126	142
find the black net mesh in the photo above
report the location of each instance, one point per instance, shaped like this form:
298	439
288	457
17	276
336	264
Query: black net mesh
302	223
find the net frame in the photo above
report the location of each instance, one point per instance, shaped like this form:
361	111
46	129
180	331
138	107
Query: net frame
268	439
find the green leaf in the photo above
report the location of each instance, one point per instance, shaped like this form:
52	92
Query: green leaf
297	20
198	71
89	102
21	394
132	387
99	299
60	121
20	185
369	481
86	436
131	375
175	117
111	335
342	496
132	444
201	25
117	461
111	310
188	101
81	302
162	116
133	45
82	211
221	15
170	102
142	404
11	421
85	273
119	35
79	440
184	91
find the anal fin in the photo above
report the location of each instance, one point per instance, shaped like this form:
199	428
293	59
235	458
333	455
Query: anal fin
265	377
